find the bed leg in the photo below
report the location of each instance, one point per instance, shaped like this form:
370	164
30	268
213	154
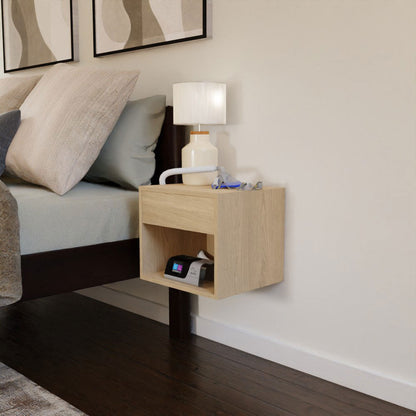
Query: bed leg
179	314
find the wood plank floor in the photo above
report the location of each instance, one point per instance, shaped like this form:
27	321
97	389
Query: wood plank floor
107	361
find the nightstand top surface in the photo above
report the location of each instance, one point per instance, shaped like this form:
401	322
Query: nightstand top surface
196	189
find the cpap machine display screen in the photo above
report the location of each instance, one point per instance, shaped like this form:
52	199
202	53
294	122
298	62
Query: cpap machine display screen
177	267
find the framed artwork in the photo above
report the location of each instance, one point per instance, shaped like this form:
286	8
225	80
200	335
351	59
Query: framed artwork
126	25
36	33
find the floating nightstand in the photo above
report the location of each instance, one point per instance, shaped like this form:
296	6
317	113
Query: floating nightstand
243	230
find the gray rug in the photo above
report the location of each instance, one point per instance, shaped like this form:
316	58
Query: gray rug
21	397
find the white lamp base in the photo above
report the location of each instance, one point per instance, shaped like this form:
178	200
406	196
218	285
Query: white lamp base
199	152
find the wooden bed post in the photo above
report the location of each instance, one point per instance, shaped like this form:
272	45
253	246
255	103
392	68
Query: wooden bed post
168	152
179	314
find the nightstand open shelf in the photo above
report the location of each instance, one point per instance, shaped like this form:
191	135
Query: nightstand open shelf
244	231
160	243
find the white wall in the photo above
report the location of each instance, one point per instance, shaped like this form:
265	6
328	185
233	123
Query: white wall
322	100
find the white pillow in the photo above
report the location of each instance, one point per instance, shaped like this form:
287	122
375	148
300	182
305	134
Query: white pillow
65	123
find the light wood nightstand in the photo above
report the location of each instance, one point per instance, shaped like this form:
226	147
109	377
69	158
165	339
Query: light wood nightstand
243	230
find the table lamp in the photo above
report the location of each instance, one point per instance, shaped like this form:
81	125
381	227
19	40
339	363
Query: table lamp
196	103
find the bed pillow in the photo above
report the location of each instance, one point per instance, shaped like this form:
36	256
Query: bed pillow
9	123
14	90
127	157
65	122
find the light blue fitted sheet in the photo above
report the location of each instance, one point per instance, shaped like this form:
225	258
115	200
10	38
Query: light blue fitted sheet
88	214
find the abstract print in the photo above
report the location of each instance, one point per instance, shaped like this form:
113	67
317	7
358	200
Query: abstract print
121	25
36	32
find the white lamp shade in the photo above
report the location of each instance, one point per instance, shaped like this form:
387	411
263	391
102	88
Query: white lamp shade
199	103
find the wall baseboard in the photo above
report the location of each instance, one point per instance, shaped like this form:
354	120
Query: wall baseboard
394	391
130	303
363	380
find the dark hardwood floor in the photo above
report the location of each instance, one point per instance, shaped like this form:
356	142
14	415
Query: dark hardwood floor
107	361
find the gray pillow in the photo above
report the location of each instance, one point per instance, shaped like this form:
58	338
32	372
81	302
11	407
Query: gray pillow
9	123
127	158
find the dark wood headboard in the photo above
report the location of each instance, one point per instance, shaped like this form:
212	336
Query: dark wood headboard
168	150
60	271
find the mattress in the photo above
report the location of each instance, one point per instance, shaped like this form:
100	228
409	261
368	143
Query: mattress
88	214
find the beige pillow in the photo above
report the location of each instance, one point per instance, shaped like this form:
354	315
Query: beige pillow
13	91
65	123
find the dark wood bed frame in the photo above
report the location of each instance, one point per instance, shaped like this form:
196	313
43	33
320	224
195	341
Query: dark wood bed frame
53	272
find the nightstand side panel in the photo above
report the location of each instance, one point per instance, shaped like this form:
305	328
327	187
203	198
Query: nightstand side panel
249	241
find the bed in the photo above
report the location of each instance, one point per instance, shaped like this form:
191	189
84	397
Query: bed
94	264
59	264
74	132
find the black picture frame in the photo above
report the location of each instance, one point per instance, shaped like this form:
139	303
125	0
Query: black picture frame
35	52
100	51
